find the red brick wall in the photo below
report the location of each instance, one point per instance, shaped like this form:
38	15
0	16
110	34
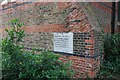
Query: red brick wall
103	11
68	12
82	66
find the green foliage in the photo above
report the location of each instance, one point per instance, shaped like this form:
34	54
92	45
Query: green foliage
18	64
112	45
111	66
36	66
11	43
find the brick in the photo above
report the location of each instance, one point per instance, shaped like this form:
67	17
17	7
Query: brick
42	19
101	7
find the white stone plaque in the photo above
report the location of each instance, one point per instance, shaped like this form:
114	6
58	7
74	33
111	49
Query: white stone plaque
63	42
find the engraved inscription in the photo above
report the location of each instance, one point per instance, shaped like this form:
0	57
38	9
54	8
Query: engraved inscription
63	42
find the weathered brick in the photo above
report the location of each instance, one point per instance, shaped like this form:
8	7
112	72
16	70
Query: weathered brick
41	19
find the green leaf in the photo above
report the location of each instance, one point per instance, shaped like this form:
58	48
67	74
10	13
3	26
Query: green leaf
6	30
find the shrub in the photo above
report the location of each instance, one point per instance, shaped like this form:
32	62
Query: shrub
111	66
112	45
35	66
11	50
21	65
